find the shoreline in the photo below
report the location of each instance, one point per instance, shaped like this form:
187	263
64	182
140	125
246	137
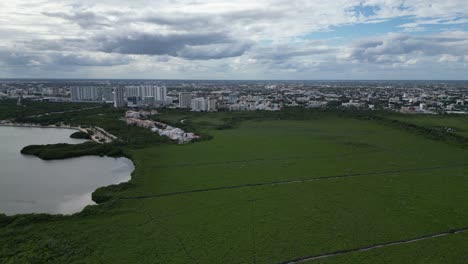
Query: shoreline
100	132
97	196
92	195
39	126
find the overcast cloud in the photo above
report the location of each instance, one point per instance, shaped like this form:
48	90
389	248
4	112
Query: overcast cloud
263	39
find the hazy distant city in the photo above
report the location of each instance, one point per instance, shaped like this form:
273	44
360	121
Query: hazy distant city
431	97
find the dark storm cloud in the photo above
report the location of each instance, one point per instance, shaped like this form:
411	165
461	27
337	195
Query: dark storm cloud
211	45
15	58
218	51
192	46
31	58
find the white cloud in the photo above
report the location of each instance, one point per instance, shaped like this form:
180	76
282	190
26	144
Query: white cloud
243	38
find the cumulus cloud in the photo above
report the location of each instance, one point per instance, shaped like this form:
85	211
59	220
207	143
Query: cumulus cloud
287	51
403	47
212	45
84	18
441	21
36	59
214	51
261	37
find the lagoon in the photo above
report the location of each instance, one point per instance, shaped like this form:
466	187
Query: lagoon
31	185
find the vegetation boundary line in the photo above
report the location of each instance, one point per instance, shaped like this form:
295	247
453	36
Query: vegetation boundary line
224	162
293	181
376	246
195	164
65	112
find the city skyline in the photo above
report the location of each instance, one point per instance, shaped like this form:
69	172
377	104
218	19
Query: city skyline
261	40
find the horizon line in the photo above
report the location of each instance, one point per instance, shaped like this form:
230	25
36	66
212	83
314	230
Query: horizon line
276	80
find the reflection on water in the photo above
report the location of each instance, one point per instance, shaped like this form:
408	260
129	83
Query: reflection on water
75	203
31	185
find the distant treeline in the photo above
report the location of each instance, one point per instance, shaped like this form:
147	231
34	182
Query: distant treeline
65	151
109	119
434	133
10	110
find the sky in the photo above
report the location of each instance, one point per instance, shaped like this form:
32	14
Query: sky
242	39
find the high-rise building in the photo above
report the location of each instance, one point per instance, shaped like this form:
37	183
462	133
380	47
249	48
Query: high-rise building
55	91
133	91
81	93
203	104
198	104
185	100
232	99
107	94
138	94
161	94
211	105
119	97
147	91
149	101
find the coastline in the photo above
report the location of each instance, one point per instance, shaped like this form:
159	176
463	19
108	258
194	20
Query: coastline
39	126
98	195
100	135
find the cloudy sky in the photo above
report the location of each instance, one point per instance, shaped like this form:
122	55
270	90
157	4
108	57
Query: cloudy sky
242	39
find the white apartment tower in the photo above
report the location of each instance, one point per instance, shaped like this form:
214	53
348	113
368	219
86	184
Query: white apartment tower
199	104
161	94
80	93
210	104
185	100
119	97
142	92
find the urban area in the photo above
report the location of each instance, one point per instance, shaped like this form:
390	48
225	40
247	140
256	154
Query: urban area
431	97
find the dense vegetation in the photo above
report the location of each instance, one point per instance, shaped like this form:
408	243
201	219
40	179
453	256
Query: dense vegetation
10	109
105	117
80	135
65	151
436	133
267	188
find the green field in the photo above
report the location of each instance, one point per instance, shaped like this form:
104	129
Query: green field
459	123
273	187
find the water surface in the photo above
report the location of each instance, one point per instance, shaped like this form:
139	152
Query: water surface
31	185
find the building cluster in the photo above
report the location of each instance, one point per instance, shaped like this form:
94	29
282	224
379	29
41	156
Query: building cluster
34	90
149	95
174	133
202	101
198	104
140	114
252	103
122	96
206	96
91	94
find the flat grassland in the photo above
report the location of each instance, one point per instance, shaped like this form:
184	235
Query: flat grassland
268	190
458	123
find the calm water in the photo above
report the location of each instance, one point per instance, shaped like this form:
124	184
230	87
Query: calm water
31	185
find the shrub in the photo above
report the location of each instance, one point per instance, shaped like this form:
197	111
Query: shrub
80	135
